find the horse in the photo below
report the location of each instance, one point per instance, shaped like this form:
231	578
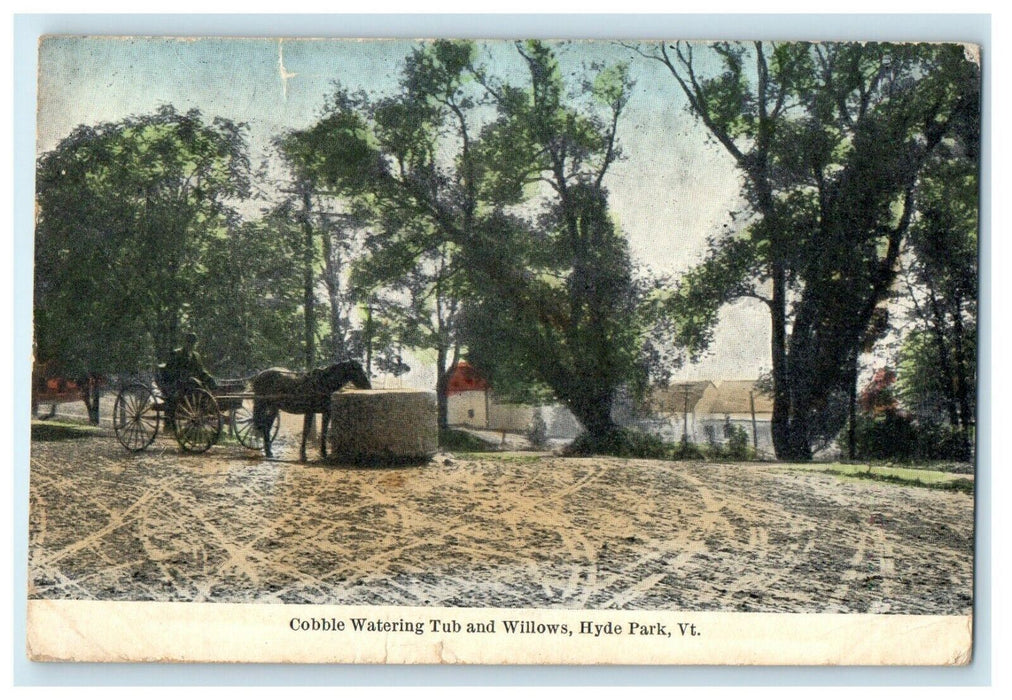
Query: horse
277	389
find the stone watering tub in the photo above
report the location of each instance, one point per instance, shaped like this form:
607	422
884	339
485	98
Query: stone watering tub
383	426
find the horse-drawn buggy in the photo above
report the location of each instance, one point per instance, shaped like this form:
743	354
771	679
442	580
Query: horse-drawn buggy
197	409
197	415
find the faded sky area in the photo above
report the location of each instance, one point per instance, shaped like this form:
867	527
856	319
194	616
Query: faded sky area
673	188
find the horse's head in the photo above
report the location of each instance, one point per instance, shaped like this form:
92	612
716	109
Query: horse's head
342	373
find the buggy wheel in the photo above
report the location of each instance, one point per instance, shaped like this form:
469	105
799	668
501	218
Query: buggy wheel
244	429
135	417
197	421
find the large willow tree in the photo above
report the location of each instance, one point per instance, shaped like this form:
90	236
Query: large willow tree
832	141
491	196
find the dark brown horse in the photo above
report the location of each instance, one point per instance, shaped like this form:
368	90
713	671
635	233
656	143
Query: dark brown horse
280	389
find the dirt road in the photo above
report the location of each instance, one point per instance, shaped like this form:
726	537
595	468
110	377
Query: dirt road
497	531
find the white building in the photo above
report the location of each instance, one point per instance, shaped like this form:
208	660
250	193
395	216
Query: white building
471	403
701	410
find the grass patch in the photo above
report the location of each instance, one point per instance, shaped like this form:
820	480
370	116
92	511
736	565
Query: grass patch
463	441
53	431
904	476
962	485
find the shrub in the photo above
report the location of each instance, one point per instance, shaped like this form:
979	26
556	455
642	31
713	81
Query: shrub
537	432
896	436
622	442
737	443
942	441
687	450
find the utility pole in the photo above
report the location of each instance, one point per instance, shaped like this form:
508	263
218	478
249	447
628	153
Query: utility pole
852	409
685	413
755	435
368	340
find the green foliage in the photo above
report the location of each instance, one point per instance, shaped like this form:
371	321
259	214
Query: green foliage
537	432
700	293
833	141
925	390
462	441
414	294
339	150
915	475
560	309
633	444
612	86
252	319
551	303
688	450
738	443
897	436
937	360
406	164
52	431
558	306
735	446
621	442
126	214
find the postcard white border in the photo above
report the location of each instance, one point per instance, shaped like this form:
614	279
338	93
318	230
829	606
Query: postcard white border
60	630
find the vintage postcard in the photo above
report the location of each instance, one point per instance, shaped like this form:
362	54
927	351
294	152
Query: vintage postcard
448	351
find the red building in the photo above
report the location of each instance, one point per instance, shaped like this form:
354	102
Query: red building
467	397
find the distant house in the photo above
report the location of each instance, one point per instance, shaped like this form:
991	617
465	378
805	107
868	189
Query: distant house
740	403
676	405
700	410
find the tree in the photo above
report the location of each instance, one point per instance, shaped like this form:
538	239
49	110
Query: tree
832	141
252	316
414	301
126	213
300	210
450	194
386	157
938	356
558	306
561	311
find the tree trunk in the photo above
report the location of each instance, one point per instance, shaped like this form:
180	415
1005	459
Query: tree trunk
442	383
780	420
801	394
950	377
367	330
799	447
444	372
594	413
91	395
962	391
332	280
852	411
309	299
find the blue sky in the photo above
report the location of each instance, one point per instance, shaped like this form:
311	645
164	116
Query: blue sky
672	190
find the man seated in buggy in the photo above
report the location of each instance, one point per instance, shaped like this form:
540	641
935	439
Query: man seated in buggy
183	370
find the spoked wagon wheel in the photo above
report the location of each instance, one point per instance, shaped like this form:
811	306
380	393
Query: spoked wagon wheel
197	421
135	417
244	430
